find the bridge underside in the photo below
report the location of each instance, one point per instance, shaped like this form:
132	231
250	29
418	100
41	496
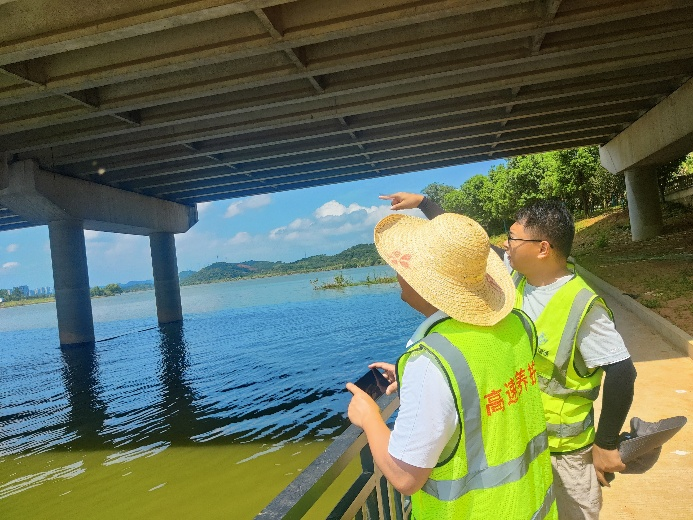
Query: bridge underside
204	100
121	116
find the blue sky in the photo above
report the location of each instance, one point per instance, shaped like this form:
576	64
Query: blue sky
279	226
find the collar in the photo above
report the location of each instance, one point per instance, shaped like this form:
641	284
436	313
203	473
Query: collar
427	324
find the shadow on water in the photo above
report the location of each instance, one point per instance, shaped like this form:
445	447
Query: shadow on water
87	411
177	417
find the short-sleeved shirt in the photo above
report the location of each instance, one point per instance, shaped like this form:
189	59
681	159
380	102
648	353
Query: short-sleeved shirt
427	416
598	341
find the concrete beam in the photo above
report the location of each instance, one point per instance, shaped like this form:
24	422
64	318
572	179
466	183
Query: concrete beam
42	197
663	134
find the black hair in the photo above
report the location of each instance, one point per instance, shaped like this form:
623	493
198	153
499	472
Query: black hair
552	221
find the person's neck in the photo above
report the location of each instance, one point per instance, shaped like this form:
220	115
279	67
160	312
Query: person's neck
547	276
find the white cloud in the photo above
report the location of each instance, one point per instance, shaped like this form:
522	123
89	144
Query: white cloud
290	232
91	235
335	209
240	238
256	201
335	225
202	207
300	223
12	248
9	265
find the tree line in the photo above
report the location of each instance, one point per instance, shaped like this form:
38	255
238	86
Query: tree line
574	176
361	255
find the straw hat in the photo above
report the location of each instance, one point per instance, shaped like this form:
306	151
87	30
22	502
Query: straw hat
449	262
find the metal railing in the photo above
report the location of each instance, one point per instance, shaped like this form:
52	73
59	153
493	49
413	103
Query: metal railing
679	184
369	497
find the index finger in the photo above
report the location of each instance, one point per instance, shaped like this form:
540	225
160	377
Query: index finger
602	479
353	388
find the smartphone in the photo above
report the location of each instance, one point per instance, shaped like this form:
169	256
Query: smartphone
373	383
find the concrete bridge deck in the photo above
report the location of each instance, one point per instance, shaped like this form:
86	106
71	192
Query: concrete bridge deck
664	388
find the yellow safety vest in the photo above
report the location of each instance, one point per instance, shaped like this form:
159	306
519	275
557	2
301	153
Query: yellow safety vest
499	465
568	395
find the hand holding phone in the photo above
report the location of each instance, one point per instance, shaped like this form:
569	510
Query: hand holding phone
373	383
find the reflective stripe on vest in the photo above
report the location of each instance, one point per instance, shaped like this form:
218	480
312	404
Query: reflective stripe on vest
479	474
545	506
565	346
571	430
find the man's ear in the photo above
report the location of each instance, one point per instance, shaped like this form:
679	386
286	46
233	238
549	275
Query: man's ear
544	249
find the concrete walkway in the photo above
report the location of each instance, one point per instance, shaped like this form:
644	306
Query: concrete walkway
664	388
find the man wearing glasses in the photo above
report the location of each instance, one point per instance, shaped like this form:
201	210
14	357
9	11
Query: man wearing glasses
577	342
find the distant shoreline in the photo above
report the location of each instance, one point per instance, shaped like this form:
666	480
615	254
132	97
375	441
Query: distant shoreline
21	303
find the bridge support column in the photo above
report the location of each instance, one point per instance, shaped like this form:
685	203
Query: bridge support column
644	207
166	284
71	282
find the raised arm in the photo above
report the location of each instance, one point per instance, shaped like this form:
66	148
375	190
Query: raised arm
404	200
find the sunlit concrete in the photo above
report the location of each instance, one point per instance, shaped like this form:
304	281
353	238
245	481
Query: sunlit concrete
71	281
166	284
663	134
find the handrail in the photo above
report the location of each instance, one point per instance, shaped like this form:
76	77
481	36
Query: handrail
370	496
679	184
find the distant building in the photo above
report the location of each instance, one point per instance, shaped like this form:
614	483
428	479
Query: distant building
24	289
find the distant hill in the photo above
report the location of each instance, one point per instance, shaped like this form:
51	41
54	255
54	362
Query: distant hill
137	285
361	255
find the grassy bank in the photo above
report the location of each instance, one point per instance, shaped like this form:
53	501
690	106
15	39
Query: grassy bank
657	272
340	282
31	301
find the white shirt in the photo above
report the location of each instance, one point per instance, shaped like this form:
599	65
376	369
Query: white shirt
598	341
427	418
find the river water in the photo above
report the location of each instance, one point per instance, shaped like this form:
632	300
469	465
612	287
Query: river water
210	418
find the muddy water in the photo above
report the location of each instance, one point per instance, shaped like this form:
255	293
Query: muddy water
207	419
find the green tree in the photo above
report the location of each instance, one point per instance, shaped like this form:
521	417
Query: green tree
4	294
112	288
16	294
574	171
437	192
668	171
97	291
473	199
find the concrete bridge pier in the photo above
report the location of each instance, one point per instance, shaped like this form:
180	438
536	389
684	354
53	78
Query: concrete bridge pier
69	206
166	283
71	282
644	207
661	135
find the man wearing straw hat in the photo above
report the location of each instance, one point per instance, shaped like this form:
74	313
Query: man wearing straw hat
577	343
470	437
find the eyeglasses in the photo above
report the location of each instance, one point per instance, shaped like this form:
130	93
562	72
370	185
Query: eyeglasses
510	239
